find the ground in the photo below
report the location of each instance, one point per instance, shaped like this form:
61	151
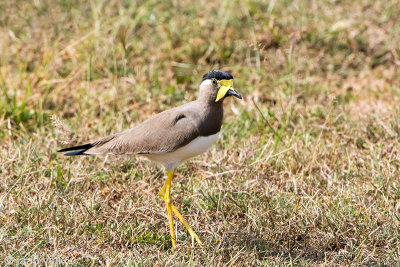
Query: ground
306	169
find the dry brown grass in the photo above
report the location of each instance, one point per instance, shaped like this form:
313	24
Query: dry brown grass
306	171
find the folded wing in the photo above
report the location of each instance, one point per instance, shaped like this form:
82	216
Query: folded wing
165	132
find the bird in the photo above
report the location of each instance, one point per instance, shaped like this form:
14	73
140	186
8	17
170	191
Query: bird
171	137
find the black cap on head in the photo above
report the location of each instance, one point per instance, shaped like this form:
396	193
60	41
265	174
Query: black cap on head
217	74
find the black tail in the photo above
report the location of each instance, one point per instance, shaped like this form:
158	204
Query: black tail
76	150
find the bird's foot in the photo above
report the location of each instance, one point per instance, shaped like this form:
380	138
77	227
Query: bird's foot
194	237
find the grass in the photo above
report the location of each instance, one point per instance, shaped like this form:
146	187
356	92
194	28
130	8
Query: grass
306	170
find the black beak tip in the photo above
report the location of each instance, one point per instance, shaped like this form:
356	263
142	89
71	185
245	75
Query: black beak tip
234	93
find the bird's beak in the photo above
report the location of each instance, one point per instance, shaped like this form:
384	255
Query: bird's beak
226	89
234	93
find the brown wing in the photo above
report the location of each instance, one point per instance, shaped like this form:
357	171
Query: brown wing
165	132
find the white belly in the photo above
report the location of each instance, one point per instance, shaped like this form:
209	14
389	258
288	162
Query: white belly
171	160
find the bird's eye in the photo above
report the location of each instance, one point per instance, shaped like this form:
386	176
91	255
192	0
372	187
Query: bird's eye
214	81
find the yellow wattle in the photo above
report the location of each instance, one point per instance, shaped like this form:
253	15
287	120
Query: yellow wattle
225	86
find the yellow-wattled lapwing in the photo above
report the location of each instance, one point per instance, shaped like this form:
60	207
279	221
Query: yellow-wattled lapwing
172	136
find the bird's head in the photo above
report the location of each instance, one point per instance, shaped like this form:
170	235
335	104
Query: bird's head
217	85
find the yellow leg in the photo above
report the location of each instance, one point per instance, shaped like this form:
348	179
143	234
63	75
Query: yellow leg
168	203
163	193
